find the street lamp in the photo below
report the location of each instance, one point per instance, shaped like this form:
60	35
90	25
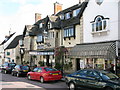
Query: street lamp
21	54
22	50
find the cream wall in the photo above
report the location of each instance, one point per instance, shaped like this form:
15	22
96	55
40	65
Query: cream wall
78	36
13	53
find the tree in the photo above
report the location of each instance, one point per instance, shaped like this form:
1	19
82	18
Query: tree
59	57
59	53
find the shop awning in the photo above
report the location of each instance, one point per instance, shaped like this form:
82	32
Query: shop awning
106	50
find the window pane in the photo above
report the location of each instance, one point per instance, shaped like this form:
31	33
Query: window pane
93	27
67	15
72	32
76	12
96	26
69	32
64	33
104	24
100	25
39	38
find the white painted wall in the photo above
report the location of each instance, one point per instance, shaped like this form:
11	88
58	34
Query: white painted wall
119	20
108	9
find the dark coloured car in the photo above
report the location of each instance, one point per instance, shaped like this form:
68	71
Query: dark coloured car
93	79
45	74
7	67
20	70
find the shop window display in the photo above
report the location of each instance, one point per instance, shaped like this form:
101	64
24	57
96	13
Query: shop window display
99	63
89	63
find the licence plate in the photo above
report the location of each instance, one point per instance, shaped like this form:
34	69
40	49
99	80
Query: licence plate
55	74
25	70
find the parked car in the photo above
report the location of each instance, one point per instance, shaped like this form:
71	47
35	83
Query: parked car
20	70
1	66
7	67
45	74
93	79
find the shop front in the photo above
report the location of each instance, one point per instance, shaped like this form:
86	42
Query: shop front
102	55
44	58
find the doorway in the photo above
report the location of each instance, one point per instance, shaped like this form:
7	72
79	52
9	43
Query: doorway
47	60
77	64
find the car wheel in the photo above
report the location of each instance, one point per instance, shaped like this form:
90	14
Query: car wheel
29	77
12	73
72	86
108	88
18	75
41	79
5	71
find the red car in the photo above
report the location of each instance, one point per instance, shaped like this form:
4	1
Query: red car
44	74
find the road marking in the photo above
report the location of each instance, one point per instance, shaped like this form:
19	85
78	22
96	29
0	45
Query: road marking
18	85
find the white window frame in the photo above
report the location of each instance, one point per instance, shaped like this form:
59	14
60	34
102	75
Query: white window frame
99	26
39	38
40	25
69	32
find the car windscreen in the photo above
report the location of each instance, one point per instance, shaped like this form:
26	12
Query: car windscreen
5	64
12	64
50	69
24	67
108	75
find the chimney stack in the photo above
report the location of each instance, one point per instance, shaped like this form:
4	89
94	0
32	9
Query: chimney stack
81	1
57	7
37	17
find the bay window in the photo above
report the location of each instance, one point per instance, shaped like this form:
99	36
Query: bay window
69	32
39	38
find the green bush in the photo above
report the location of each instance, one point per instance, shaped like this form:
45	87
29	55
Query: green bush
58	66
41	63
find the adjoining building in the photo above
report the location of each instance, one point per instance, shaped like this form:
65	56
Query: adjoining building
101	36
3	45
12	51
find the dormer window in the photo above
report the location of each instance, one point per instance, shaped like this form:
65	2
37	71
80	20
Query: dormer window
76	12
27	33
99	24
62	16
67	15
49	25
41	24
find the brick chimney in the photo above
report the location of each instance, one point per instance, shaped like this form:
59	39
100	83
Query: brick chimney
57	7
37	17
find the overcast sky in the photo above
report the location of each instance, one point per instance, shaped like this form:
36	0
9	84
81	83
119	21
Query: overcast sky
15	14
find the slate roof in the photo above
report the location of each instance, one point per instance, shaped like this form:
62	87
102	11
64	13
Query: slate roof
14	42
57	23
73	20
7	38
